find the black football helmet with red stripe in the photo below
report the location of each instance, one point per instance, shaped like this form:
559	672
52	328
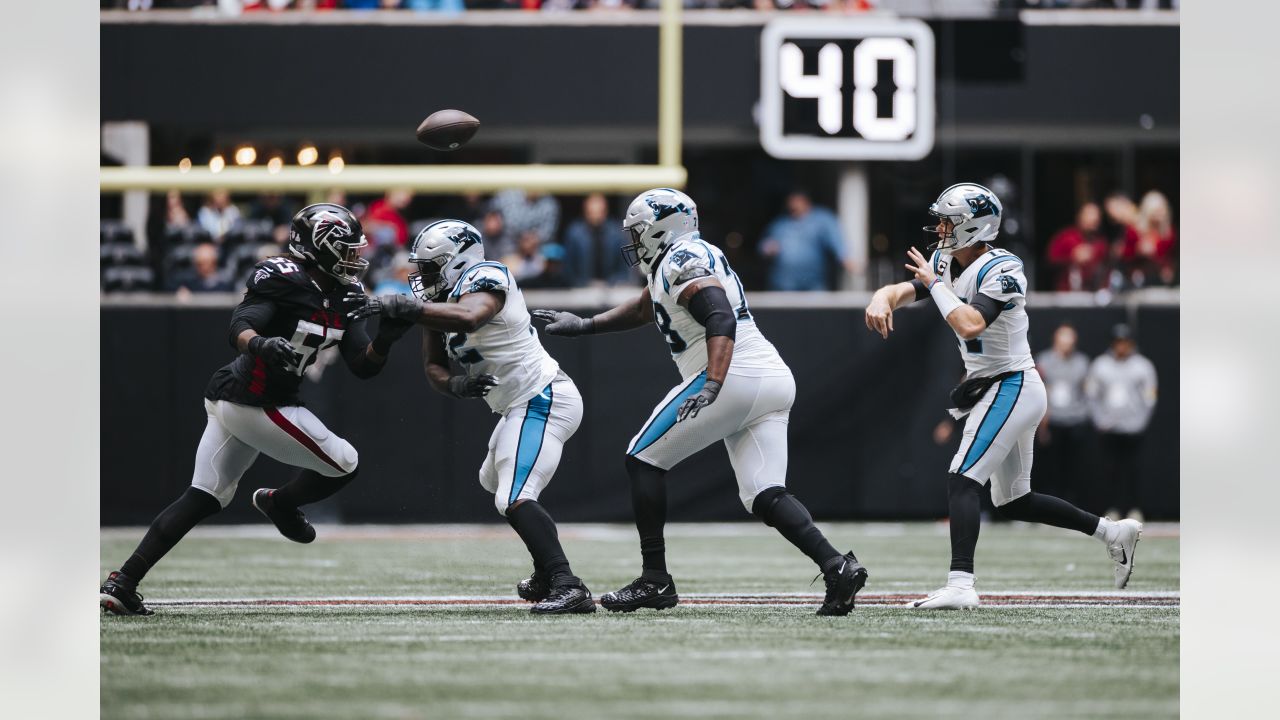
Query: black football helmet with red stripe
330	236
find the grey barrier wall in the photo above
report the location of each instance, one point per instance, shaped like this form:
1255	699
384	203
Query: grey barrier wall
861	436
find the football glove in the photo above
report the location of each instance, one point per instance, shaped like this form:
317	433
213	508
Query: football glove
399	307
564	323
691	406
275	351
472	387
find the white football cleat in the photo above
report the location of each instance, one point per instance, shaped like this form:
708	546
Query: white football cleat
949	597
1121	547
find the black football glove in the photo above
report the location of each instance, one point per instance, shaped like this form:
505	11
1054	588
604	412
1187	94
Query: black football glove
399	307
690	407
472	387
564	323
275	351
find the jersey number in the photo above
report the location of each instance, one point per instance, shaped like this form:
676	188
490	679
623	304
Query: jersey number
308	340
465	357
661	317
744	312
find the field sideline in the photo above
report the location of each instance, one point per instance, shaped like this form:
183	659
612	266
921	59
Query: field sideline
421	621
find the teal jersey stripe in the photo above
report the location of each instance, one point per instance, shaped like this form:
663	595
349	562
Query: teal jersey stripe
982	274
666	417
997	415
457	287
529	447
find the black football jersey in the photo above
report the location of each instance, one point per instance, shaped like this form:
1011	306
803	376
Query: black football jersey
282	300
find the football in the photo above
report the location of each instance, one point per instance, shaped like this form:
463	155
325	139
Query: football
447	129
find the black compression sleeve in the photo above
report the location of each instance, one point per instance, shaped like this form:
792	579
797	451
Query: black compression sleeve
354	342
252	313
922	292
710	307
988	307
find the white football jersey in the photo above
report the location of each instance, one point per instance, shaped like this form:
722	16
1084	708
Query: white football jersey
506	347
1003	346
687	259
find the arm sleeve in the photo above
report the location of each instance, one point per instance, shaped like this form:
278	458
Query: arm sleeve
354	348
922	292
253	313
988	307
710	307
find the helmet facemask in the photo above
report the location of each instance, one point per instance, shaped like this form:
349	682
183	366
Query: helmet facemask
633	254
344	262
945	242
429	282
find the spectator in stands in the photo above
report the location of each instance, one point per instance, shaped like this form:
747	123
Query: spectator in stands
497	237
218	214
176	216
1065	427
384	222
1078	254
592	247
800	243
274	207
396	279
203	275
553	270
527	260
1149	252
1121	387
528	212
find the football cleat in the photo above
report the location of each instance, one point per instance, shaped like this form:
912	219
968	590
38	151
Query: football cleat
291	523
566	599
1121	546
843	583
949	597
642	593
534	588
120	598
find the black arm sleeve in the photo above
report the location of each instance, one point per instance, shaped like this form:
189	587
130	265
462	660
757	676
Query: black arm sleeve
988	307
922	292
710	307
253	313
354	346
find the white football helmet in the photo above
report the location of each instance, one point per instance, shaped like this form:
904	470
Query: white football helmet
974	212
442	252
654	219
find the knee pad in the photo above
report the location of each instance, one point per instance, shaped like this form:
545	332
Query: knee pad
762	505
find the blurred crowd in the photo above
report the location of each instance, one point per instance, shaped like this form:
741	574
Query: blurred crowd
455	6
563	242
1116	245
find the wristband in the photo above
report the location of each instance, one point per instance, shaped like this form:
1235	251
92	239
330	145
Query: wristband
944	298
935	282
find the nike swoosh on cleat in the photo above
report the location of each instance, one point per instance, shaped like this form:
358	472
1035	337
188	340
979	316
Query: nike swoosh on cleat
663	589
1124	557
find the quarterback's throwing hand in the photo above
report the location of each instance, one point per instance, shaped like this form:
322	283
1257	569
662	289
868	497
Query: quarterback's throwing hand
564	323
690	407
472	387
920	267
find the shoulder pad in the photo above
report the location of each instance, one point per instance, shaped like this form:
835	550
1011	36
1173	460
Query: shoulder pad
484	277
275	275
686	262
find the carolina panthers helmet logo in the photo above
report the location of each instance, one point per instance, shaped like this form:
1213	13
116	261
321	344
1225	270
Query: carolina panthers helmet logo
981	205
1009	285
682	256
328	227
464	238
484	284
663	209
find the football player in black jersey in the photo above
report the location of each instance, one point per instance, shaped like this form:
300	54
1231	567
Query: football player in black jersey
292	310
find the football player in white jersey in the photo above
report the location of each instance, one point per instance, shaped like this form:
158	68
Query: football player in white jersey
981	292
474	315
735	388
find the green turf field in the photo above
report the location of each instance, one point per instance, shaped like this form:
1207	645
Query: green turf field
719	658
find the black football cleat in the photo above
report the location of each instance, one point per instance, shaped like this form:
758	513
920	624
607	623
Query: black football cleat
534	588
291	523
566	599
843	583
121	598
642	593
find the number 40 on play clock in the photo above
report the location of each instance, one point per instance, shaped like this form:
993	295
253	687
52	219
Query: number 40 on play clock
850	89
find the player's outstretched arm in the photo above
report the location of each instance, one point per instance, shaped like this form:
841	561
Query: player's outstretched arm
467	315
707	302
967	320
885	300
435	363
364	357
627	316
